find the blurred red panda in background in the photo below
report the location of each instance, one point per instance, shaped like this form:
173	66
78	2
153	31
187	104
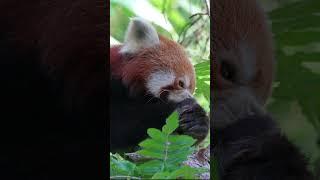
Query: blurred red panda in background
150	75
247	143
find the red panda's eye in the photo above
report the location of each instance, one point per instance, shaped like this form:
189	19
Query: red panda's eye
228	71
181	84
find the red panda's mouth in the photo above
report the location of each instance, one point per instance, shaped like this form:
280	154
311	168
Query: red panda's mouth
169	94
180	95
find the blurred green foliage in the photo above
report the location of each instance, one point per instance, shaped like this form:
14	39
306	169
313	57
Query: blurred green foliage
296	96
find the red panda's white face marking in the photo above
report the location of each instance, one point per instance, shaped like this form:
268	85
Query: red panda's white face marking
159	79
166	83
181	89
153	64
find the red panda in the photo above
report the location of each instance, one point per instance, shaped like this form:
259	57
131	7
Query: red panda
247	143
152	64
155	75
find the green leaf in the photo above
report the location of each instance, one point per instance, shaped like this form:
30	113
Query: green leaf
172	124
185	172
157	135
203	79
161	175
119	166
152	144
181	140
295	16
295	38
295	24
296	9
151	154
150	168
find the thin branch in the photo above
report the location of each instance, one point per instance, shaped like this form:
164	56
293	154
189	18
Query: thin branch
164	9
187	27
206	2
198	14
205	45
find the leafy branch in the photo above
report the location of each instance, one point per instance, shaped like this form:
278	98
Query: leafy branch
165	152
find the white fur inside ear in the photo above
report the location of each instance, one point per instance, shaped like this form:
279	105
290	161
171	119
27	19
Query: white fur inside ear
140	34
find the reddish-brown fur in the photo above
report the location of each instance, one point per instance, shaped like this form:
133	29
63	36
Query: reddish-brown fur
134	70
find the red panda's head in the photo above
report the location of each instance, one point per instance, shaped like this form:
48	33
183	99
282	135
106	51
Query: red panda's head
152	64
243	60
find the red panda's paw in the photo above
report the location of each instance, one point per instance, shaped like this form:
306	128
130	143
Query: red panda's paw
193	120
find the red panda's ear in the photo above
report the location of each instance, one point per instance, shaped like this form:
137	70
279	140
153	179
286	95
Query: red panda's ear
140	34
